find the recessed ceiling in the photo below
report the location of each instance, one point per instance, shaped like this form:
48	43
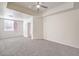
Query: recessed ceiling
16	14
50	5
12	14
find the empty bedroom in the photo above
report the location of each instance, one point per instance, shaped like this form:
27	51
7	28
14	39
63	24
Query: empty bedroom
39	28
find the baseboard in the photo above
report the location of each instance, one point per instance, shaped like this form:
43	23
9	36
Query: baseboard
63	44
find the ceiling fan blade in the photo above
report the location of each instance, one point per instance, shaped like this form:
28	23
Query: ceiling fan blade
44	6
37	2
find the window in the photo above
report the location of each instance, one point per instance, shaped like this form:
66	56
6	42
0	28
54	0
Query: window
8	25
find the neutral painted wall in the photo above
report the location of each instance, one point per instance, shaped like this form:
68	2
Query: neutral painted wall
62	7
18	32
3	5
37	27
17	16
25	27
63	28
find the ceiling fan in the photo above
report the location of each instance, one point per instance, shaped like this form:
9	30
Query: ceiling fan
39	5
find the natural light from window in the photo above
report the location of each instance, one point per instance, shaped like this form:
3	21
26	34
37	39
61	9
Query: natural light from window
8	25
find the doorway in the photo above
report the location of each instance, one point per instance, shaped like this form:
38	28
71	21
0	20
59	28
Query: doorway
28	28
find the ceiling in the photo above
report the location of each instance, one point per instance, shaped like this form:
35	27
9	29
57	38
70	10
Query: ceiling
16	14
12	14
50	5
19	15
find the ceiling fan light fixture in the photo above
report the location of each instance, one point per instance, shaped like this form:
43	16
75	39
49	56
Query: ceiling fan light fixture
38	6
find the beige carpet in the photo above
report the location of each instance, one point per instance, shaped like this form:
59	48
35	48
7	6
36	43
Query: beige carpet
20	46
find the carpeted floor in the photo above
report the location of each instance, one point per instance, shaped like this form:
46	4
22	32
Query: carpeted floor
20	46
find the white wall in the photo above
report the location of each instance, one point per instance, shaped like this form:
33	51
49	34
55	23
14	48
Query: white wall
37	27
63	28
65	6
4	34
25	27
3	5
13	15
